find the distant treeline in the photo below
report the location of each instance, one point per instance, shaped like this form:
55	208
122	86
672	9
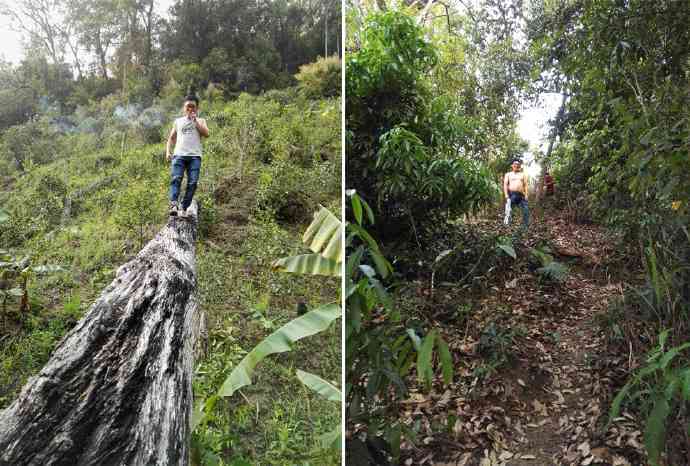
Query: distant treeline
81	51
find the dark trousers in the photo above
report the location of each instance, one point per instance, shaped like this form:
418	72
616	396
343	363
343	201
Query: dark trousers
180	165
516	198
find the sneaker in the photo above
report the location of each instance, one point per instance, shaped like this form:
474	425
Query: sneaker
173	208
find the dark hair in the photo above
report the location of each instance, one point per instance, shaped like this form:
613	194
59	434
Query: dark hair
192	98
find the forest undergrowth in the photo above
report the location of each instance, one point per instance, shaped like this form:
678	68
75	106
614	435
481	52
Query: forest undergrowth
536	364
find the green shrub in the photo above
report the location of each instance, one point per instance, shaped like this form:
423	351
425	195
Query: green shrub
282	96
188	77
282	192
380	351
32	143
208	212
548	269
137	207
496	346
662	389
321	78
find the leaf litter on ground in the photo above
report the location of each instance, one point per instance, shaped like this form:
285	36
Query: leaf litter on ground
548	404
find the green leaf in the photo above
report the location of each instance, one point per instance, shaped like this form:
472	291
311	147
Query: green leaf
324	235
47	269
332	439
424	369
201	408
357	209
15	292
685	384
384	297
672	353
393	436
319	385
416	341
239	462
383	267
617	401
308	264
210	458
441	255
280	341
3	216
655	430
508	249
446	360
554	271
367	209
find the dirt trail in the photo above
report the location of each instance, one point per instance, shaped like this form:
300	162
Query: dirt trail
549	408
566	408
560	411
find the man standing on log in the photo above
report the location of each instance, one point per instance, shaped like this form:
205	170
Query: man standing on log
185	136
515	184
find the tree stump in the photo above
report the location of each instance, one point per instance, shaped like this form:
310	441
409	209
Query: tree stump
117	390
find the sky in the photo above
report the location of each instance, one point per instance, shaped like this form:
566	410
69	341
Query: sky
532	125
10	45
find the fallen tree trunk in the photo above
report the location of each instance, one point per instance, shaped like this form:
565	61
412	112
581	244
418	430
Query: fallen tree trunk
117	390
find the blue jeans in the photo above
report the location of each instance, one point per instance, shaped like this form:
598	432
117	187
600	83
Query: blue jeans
192	165
516	198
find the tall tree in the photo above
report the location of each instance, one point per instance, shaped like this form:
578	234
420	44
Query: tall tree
98	26
41	21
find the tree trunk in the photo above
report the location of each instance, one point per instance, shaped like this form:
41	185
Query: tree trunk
556	127
101	52
117	390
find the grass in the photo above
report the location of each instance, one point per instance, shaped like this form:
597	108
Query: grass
276	420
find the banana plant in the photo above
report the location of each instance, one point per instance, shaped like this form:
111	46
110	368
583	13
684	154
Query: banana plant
280	341
324	238
330	392
15	273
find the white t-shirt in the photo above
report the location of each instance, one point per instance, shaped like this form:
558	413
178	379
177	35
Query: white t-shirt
188	142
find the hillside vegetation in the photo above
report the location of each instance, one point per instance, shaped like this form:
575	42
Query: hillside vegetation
92	189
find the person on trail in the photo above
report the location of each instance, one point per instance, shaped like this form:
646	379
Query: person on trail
515	184
185	136
548	184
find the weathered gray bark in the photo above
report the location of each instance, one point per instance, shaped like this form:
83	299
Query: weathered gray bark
118	388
